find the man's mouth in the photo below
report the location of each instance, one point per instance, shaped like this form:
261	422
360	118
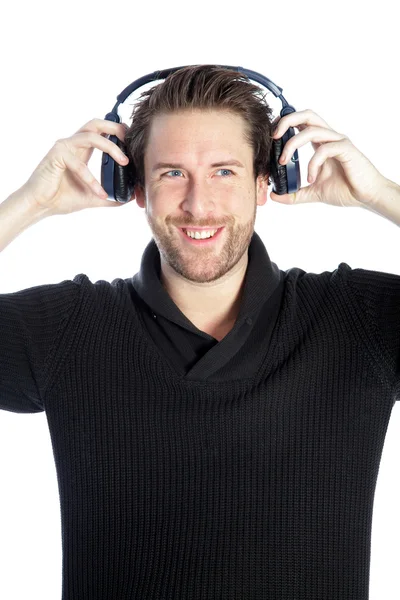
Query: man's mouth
200	236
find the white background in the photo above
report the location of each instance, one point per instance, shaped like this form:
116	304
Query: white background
64	63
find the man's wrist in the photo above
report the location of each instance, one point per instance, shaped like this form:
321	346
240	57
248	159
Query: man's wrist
387	205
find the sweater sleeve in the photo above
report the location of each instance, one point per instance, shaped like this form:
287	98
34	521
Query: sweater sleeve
32	325
377	297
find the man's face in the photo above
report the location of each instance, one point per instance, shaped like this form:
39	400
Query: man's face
199	195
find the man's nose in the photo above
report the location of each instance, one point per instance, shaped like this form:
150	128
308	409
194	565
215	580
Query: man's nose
199	197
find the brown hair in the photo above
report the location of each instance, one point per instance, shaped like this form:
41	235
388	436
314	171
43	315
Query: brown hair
207	87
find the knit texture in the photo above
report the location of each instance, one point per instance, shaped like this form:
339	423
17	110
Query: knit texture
249	488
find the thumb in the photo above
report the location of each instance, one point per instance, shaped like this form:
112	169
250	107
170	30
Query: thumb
305	194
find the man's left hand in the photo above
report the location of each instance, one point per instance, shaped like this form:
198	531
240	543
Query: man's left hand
343	176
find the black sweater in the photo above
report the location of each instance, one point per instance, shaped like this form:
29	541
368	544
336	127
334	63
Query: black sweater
191	469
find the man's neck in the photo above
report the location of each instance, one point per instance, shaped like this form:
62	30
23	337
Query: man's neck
211	307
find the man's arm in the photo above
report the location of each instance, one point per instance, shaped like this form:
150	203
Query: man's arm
16	215
388	204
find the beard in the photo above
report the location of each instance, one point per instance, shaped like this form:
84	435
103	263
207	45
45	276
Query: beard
202	264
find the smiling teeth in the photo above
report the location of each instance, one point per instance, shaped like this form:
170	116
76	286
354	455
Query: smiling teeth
197	235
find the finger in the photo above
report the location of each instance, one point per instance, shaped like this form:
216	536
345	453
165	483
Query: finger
315	164
104	127
304	195
81	171
284	198
300	119
93	140
275	122
317	135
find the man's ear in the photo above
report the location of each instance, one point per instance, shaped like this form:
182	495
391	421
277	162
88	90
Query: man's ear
138	193
262	189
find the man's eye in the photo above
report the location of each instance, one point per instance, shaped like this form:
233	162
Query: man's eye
177	171
174	171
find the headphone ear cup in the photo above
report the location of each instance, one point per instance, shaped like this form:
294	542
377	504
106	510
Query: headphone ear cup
278	172
124	181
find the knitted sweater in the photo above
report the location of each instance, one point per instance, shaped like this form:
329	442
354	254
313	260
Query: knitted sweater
192	469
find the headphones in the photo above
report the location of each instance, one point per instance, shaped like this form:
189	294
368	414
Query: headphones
119	182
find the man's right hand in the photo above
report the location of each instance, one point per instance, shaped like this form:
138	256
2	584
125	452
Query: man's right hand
62	182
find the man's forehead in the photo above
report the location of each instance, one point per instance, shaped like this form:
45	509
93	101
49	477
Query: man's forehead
212	125
207	147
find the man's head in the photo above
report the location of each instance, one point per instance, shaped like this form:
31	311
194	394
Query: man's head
204	116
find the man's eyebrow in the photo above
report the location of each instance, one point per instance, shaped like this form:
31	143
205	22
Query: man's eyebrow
167	165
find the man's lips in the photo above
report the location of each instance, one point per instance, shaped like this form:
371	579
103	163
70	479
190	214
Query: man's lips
201	241
203	228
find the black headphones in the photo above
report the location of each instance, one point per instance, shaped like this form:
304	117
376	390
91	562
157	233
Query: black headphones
118	180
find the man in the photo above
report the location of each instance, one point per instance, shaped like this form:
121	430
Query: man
217	423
